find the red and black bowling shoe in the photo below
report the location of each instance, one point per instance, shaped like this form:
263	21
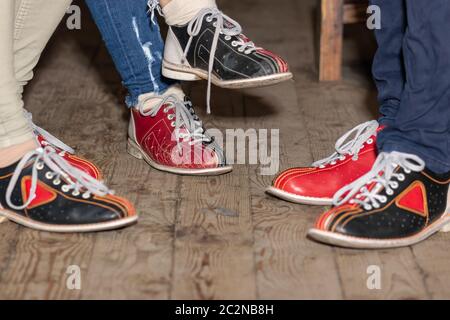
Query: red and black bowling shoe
397	203
213	47
317	185
43	191
170	137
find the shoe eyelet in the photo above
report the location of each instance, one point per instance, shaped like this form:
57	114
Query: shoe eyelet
40	166
209	19
383	199
215	24
234	43
172	124
370	141
165	110
76	193
389	192
367	207
401	177
407	171
342	158
227	38
241	50
57	182
170	116
322	167
86	195
394	185
49	175
333	163
65	188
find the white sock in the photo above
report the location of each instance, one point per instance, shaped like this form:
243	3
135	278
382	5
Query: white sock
180	12
150	103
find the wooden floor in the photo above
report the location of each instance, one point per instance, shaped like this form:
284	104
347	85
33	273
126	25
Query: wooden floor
220	237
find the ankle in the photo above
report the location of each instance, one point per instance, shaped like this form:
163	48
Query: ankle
12	154
180	12
150	100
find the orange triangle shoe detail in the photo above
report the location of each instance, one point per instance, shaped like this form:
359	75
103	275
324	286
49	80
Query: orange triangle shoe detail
44	193
414	199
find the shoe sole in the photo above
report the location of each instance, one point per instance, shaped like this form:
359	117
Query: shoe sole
298	199
187	73
135	150
340	240
101	226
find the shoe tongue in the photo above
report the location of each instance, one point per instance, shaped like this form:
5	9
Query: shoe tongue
173	90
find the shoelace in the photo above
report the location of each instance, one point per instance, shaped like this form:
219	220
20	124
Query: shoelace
184	118
48	137
223	24
344	148
382	175
152	6
74	179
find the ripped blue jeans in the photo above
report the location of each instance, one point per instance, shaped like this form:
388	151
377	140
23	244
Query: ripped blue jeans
134	43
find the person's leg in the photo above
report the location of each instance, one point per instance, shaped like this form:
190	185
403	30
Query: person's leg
40	189
134	43
388	65
163	124
422	123
35	22
178	12
15	135
354	158
405	197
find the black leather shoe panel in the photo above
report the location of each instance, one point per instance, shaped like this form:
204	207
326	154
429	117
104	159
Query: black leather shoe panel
392	221
229	64
64	209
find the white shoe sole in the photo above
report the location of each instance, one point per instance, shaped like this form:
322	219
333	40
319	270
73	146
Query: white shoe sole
101	226
187	73
135	150
336	239
298	199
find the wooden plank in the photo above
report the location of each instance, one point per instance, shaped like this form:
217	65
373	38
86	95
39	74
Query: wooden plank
355	13
433	257
214	245
400	276
331	37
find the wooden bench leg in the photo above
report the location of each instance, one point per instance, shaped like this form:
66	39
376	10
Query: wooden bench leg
331	38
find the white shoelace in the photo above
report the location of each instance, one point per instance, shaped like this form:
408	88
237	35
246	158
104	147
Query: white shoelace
152	6
352	147
224	25
382	175
73	180
184	118
48	137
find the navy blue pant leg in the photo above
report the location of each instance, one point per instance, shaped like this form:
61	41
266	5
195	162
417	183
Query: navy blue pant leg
421	124
388	67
